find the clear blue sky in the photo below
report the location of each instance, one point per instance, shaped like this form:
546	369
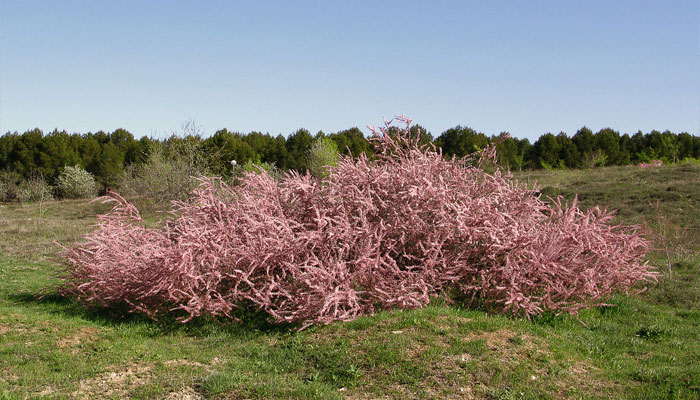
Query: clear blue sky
527	67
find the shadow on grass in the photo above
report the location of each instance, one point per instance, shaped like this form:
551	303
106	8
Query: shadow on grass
251	322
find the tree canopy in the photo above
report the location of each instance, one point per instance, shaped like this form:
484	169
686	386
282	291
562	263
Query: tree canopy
107	154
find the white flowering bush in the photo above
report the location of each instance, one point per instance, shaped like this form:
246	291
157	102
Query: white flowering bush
76	183
34	189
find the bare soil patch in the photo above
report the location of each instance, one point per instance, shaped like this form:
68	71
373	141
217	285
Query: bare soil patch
186	393
83	335
116	383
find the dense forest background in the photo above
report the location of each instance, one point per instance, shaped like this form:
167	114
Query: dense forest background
107	155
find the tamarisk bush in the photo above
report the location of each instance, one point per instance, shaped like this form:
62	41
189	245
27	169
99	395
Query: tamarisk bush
371	235
651	164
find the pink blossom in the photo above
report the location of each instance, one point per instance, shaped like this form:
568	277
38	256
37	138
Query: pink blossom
652	164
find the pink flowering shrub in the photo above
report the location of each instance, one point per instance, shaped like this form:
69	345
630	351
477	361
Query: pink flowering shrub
390	233
652	164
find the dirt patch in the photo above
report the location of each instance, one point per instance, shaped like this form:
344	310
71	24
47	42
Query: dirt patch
86	334
5	328
49	390
463	392
188	363
448	322
186	393
511	349
117	383
496	340
178	362
216	361
584	374
8	375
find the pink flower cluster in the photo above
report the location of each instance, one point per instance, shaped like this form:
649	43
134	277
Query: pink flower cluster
381	234
652	164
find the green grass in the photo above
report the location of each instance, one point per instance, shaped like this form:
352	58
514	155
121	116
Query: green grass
646	347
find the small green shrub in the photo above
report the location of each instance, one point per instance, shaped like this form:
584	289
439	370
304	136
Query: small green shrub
34	189
169	173
653	332
76	183
690	161
596	159
9	184
239	170
323	153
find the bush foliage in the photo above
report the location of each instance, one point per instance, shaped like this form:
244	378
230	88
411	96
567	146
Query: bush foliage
168	173
371	235
34	189
76	183
9	185
323	153
239	171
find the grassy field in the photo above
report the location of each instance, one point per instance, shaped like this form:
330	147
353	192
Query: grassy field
646	347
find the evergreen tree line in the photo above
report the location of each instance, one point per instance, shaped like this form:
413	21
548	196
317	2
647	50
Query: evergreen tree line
106	155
